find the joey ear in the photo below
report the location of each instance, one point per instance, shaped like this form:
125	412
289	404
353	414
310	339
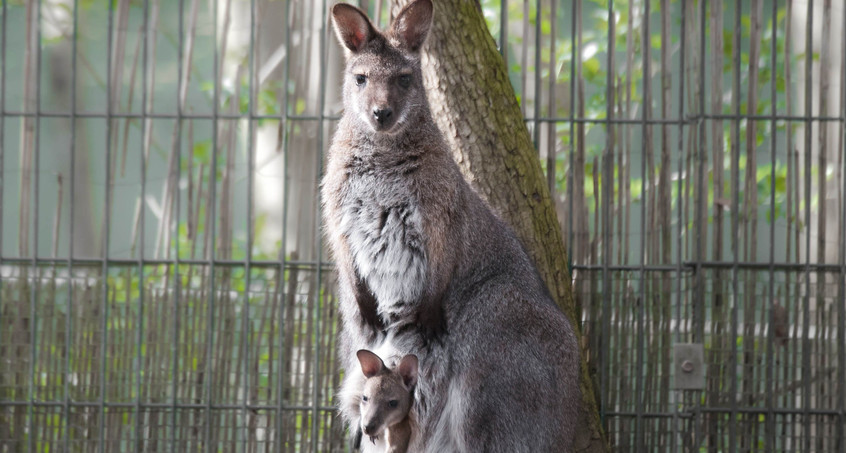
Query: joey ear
371	364
412	24
408	370
352	26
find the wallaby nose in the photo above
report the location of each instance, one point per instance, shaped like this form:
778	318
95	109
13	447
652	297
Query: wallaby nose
382	115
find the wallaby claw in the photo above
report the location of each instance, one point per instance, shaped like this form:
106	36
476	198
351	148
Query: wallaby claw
355	439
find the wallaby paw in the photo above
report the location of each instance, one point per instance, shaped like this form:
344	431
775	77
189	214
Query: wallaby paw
432	327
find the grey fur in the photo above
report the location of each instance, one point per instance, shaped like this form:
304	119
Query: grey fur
426	268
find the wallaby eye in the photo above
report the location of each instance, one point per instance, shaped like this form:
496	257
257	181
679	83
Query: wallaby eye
364	398
405	80
360	80
393	403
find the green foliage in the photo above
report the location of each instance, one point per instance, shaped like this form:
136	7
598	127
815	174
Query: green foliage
593	65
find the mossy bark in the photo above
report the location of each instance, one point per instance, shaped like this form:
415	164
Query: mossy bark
475	107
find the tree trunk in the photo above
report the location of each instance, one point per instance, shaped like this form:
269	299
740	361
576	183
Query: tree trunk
474	105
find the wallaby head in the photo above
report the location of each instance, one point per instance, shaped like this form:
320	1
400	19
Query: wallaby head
383	84
387	395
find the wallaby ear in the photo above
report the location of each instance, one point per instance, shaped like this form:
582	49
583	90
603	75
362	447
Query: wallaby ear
352	26
412	24
371	364
408	370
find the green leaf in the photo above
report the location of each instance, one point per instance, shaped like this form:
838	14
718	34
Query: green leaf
591	68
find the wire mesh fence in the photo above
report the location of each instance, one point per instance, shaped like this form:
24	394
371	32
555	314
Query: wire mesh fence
163	283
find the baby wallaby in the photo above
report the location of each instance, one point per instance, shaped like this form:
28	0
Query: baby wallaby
386	399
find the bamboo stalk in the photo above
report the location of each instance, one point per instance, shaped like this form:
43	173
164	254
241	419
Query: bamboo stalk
27	133
129	121
524	60
822	395
822	153
117	35
718	313
840	148
57	222
622	196
191	225
591	297
196	213
582	244
151	84
750	383
290	322
630	114
792	216
665	194
551	133
807	343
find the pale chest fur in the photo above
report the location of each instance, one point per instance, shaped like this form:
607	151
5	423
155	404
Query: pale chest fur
382	220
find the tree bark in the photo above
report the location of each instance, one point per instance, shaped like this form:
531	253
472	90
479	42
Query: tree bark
475	107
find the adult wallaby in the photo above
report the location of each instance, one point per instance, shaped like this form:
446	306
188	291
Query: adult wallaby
386	399
426	268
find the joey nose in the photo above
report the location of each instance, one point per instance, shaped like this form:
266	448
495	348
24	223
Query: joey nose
382	115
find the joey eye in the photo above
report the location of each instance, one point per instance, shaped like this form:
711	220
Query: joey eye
405	80
364	398
360	80
393	403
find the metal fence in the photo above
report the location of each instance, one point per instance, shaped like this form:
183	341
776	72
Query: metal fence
163	283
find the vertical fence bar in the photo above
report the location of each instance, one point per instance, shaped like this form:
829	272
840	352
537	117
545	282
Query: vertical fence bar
792	208
701	196
647	90
177	279
3	66
735	221
3	29
552	124
571	168
607	201
841	305
70	304
503	33
700	202
807	374
33	289
321	299
210	259
769	438
245	324
283	125
139	332
104	270
682	227
536	118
